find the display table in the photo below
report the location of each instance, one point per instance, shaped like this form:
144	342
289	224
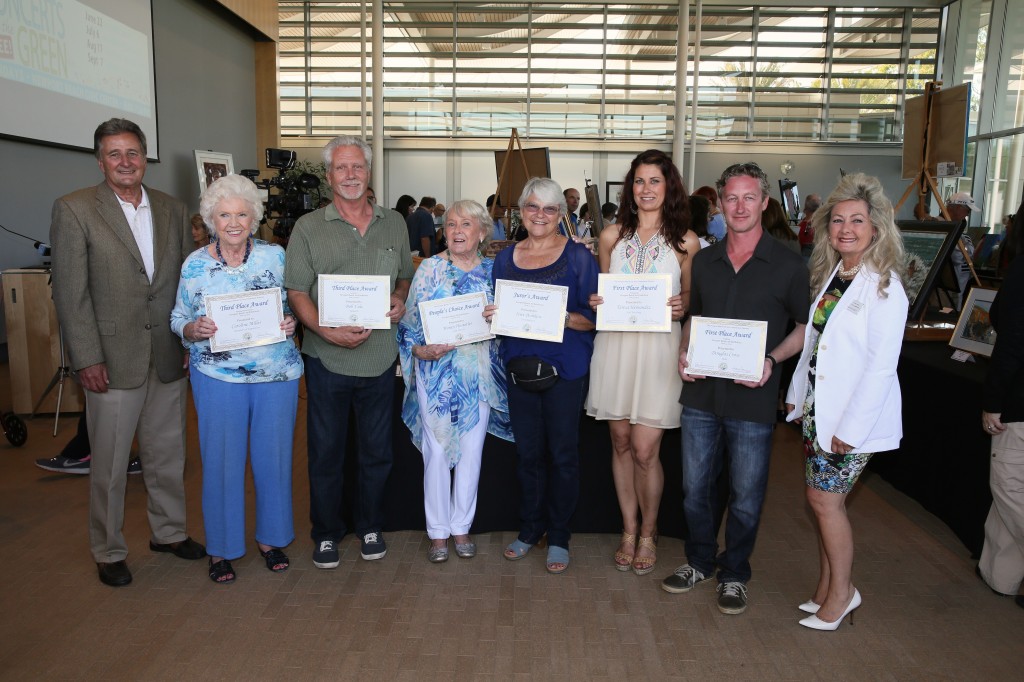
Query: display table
33	343
498	499
942	462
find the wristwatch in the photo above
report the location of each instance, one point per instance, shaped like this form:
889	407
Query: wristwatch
566	318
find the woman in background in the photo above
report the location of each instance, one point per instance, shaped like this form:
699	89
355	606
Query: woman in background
853	338
716	221
200	237
699	209
775	222
633	384
245	398
454	395
405	205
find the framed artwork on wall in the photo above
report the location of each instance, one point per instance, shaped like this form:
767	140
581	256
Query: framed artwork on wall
212	165
974	332
613	192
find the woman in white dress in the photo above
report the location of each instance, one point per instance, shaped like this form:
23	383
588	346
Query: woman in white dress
633	384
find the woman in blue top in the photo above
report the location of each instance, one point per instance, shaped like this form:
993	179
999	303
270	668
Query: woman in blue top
245	398
546	422
454	395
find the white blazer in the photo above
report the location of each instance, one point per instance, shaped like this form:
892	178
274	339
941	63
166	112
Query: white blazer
856	392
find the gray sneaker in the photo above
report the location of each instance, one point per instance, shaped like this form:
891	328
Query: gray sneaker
683	580
732	598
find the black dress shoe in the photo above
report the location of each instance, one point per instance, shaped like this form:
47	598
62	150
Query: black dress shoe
184	549
114	573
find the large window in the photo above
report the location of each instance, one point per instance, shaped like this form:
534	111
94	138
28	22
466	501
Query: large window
988	51
603	71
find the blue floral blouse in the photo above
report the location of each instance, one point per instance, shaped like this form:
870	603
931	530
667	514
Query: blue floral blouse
461	379
201	275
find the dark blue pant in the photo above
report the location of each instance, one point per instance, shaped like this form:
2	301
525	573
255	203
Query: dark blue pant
546	429
330	398
709	443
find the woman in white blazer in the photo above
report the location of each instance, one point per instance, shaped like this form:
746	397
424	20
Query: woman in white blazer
845	389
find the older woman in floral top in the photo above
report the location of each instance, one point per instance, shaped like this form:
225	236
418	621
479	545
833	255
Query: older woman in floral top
454	395
245	398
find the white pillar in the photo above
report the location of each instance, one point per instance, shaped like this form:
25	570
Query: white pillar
378	98
682	55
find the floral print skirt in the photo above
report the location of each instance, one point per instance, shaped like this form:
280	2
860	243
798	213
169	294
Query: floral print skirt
828	471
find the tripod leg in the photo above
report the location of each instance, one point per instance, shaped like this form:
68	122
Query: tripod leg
60	396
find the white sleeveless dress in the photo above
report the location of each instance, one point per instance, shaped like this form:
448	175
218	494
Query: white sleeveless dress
635	375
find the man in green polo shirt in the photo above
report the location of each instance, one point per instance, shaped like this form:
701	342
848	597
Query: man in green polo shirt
347	368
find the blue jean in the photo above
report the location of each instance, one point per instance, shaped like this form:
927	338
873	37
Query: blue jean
709	443
236	420
546	428
330	399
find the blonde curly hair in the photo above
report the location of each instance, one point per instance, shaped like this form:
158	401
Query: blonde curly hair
884	256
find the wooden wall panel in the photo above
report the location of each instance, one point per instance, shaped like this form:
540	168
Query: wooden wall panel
260	14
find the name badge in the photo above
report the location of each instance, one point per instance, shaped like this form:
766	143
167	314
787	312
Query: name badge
856	307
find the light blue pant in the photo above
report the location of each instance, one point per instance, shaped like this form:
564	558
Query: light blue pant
235	419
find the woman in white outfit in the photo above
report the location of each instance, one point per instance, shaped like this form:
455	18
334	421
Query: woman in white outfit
844	387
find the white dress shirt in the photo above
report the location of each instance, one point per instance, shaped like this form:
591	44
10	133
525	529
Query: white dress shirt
141	221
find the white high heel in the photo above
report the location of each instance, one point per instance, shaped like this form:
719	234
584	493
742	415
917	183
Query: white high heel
809	606
816	623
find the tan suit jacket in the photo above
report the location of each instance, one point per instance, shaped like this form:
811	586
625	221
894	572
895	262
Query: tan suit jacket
109	310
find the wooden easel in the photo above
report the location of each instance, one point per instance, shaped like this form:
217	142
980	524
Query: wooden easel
924	182
514	144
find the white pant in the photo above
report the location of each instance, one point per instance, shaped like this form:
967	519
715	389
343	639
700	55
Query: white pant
449	507
1002	559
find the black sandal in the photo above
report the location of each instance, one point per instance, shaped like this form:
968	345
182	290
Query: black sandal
277	561
221	572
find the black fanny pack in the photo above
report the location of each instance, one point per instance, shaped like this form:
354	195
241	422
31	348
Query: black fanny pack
532	374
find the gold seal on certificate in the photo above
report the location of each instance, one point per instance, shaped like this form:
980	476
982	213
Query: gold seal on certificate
245	319
456	320
354	301
730	349
529	310
634	303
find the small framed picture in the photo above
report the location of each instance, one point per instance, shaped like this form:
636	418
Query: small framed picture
211	166
613	192
974	332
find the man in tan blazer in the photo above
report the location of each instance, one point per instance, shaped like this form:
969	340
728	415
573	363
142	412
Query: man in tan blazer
117	254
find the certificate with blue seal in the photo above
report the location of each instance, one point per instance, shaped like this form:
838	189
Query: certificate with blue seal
730	349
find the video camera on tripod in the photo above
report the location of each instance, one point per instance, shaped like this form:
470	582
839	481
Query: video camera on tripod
294	197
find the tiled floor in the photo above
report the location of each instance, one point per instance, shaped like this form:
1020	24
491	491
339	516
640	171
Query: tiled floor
925	615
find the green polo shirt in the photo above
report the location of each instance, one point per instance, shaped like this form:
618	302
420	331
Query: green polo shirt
324	243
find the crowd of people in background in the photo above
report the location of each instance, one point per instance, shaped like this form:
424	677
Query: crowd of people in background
829	291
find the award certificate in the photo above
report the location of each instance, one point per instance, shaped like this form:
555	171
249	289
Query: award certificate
456	320
634	303
730	349
529	310
354	301
245	319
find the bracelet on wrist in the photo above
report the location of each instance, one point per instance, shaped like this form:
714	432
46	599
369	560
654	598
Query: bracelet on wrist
771	358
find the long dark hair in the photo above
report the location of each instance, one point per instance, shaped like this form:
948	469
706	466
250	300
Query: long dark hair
675	212
774	220
403	204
